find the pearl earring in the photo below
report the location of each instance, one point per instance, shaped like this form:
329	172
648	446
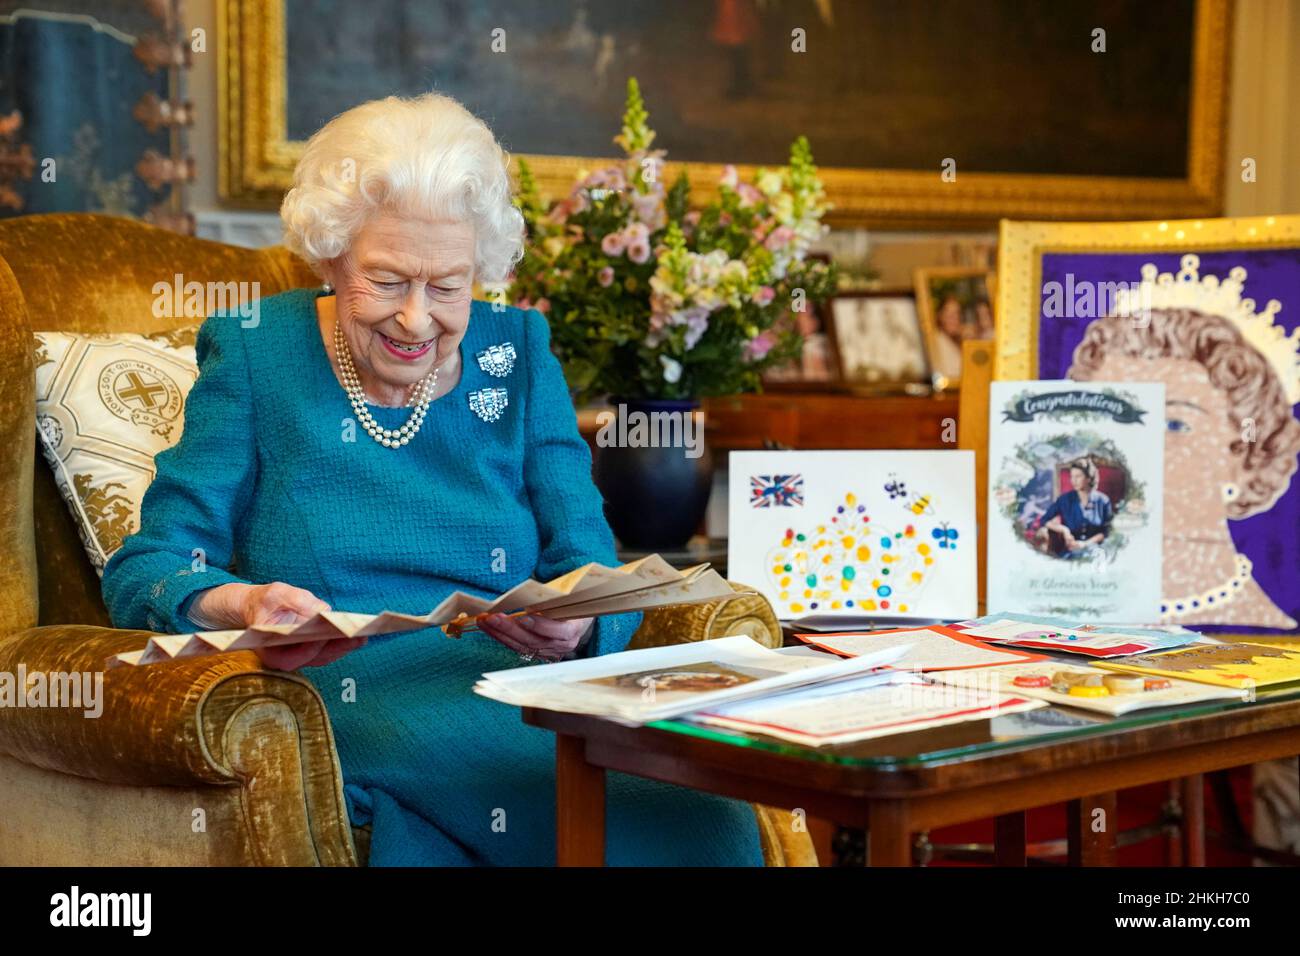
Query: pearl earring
326	286
1230	492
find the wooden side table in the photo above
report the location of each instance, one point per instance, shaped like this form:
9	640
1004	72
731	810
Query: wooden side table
895	786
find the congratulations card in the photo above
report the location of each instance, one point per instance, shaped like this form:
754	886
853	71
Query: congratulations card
1076	472
843	535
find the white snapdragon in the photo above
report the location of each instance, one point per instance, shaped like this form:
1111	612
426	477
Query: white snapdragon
769	182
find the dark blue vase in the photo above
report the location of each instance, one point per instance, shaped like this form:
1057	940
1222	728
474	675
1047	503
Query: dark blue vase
654	496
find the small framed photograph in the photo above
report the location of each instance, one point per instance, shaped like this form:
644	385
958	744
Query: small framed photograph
818	368
954	304
877	336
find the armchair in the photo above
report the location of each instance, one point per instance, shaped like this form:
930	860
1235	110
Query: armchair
238	761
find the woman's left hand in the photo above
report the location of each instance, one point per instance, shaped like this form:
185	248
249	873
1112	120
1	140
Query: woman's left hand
532	635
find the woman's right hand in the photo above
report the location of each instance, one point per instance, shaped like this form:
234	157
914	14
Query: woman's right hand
238	605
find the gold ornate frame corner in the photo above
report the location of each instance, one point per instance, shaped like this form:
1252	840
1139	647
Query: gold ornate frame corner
1022	245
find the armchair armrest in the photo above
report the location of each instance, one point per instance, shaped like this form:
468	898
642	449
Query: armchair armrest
749	614
261	736
167	724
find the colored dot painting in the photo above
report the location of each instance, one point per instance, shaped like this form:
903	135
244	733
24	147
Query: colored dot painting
857	560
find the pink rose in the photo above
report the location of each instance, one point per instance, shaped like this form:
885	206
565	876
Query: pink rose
639	251
606	276
613	244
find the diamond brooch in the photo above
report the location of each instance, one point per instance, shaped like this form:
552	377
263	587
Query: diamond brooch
497	360
488	403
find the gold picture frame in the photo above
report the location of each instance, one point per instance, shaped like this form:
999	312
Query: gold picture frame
1022	246
257	158
941	350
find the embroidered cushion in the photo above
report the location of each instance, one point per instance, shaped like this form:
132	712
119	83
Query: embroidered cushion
105	405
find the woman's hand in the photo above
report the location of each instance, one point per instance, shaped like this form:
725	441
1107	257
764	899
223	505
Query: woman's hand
244	605
537	636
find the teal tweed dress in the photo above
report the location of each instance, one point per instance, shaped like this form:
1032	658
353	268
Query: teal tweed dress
266	485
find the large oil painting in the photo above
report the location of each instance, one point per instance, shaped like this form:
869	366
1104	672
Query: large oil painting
908	118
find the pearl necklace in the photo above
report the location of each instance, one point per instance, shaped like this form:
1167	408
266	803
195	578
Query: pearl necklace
388	437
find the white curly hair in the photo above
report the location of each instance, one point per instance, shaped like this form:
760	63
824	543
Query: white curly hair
426	156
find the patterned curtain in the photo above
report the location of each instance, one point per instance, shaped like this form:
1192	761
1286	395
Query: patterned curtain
69	71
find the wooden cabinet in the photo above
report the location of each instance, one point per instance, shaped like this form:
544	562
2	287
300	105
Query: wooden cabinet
810	420
806	420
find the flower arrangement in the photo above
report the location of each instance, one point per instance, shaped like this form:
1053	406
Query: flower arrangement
648	298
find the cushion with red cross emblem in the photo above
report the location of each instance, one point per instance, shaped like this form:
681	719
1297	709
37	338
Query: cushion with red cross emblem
105	405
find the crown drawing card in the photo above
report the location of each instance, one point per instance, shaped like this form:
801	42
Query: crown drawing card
1076	475
835	536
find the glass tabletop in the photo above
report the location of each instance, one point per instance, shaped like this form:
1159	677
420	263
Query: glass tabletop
978	737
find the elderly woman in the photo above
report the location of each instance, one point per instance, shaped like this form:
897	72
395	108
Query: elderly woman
379	443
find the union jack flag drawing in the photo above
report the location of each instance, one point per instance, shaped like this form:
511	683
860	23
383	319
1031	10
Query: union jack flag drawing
775	491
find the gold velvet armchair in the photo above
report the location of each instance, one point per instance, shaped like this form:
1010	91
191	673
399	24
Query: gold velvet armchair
214	761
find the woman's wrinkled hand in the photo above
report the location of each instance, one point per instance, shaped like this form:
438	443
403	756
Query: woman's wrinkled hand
244	605
532	635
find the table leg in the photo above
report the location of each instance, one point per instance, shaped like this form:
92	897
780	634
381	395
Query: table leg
1091	834
889	834
822	833
1193	800
1174	842
1010	841
579	805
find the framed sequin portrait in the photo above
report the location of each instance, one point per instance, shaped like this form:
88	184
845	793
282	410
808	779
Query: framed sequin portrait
1210	308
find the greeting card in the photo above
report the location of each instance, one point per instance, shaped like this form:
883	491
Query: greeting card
1225	665
846	535
1076	474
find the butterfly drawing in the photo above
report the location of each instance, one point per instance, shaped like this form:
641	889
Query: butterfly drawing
775	491
895	488
946	536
